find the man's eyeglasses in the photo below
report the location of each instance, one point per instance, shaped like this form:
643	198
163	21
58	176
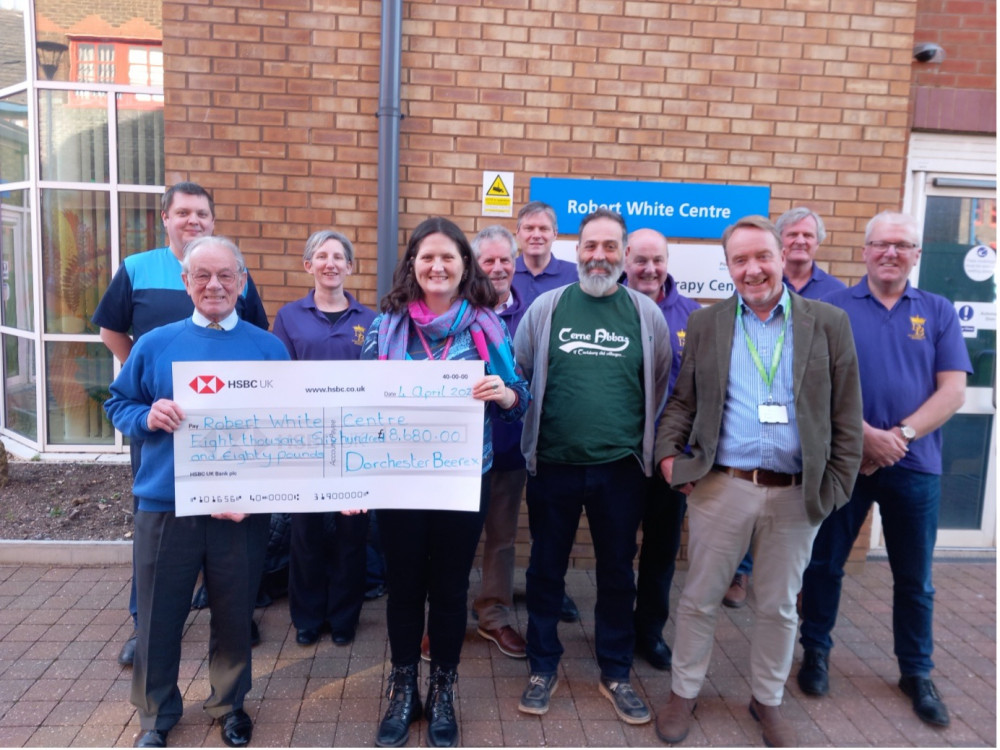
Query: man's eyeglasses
226	278
902	247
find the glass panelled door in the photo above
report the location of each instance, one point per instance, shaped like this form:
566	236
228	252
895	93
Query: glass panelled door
959	262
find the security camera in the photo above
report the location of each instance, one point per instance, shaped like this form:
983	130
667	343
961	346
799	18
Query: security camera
926	52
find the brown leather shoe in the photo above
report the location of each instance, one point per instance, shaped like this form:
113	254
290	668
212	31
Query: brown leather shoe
508	641
673	721
736	597
777	731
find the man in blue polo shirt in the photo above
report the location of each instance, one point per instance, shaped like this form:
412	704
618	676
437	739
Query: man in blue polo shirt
646	272
147	292
537	270
801	230
913	365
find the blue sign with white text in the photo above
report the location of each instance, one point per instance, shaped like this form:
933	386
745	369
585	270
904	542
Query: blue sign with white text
676	209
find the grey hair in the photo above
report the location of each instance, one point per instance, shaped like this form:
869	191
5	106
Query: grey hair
795	215
316	239
494	232
535	207
896	218
196	244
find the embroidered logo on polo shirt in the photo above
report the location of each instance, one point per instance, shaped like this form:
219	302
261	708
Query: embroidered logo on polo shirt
359	335
917	327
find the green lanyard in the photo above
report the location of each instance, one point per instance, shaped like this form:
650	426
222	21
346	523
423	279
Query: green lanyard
755	356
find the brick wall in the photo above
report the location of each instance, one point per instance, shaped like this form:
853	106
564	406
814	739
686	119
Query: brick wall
958	94
271	104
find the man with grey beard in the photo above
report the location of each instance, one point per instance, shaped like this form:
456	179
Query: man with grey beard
597	356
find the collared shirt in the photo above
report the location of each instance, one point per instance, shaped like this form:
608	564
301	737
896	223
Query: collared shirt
675	308
307	332
745	442
228	323
147	291
556	274
819	285
900	353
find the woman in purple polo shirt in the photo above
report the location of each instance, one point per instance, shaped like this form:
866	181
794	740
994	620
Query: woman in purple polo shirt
326	580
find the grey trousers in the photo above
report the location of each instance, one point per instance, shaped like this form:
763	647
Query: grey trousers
495	602
169	552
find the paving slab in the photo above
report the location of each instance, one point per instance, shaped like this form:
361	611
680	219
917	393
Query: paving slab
60	685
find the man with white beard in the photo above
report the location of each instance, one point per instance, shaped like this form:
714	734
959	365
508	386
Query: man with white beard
597	356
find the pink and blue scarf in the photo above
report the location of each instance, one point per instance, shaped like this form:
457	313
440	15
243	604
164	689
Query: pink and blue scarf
482	323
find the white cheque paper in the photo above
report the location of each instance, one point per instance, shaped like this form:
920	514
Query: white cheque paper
312	436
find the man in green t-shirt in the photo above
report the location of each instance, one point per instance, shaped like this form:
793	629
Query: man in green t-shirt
597	356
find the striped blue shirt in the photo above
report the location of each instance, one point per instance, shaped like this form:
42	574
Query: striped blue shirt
745	442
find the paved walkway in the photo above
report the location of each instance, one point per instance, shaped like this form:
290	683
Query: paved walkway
61	627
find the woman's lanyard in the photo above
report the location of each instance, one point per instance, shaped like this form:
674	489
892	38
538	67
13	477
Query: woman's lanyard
427	348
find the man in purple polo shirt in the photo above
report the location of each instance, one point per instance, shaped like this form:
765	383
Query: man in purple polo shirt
537	270
646	272
801	230
496	250
913	365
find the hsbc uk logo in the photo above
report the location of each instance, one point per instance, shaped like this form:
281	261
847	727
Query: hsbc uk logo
212	384
206	384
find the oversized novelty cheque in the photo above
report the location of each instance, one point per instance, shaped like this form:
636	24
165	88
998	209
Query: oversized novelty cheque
313	436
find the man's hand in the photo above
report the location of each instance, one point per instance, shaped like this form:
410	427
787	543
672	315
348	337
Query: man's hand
667	470
881	448
164	415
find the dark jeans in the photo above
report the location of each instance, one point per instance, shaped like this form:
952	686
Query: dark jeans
908	501
613	495
661	539
428	557
326	577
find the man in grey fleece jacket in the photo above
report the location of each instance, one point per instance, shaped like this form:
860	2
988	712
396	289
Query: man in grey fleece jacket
597	357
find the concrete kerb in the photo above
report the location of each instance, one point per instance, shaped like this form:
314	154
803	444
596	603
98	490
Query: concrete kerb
23	552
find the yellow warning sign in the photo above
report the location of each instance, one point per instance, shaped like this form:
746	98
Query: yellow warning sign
498	189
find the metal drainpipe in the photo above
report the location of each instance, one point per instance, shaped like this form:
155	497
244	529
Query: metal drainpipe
389	116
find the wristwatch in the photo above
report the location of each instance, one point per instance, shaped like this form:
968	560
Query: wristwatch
908	433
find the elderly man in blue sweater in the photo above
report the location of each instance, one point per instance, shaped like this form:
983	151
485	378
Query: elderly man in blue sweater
171	550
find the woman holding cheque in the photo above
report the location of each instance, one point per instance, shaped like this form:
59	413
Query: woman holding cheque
326	579
440	307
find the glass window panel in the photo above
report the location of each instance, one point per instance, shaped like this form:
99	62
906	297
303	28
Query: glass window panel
13	69
76	253
73	135
77	375
140	139
14	138
16	270
19	403
140	225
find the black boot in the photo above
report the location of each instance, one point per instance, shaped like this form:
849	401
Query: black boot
404	707
442	728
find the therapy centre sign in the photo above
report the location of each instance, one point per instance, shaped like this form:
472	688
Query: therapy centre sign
675	209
